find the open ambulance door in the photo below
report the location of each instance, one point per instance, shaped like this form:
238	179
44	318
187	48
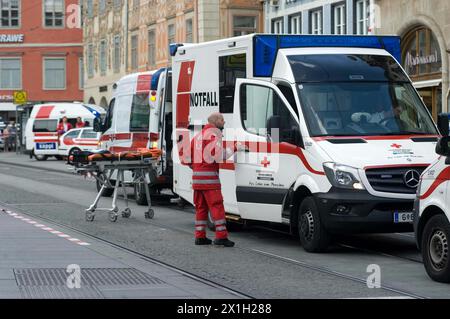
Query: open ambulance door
161	117
266	122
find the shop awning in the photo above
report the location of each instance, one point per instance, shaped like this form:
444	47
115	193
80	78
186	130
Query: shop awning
426	84
7	107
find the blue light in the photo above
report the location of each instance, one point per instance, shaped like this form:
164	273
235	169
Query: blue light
174	47
94	112
267	46
155	79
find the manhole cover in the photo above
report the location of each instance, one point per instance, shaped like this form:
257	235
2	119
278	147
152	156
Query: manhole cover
51	283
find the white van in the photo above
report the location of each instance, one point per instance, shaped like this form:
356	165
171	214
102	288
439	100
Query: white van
41	136
352	130
136	105
432	211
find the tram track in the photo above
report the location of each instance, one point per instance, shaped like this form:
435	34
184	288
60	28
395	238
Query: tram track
247	250
189	210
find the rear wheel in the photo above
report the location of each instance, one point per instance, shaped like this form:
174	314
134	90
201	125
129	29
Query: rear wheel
40	157
435	248
108	191
313	236
139	193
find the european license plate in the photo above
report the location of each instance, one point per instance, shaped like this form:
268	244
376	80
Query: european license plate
45	146
405	217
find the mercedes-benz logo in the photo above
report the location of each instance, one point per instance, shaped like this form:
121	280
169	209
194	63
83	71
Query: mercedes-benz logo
411	178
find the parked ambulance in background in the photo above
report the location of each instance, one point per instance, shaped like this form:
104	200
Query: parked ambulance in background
41	136
136	105
432	211
353	134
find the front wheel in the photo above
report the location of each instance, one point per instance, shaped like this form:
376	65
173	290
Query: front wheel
435	248
313	236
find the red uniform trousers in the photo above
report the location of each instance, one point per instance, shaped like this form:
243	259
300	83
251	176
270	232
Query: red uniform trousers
209	200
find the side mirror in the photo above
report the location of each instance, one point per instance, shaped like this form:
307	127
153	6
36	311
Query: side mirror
443	124
98	127
443	146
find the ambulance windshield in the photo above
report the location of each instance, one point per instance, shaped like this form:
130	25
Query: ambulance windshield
358	95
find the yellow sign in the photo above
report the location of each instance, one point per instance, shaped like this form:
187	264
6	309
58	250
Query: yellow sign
20	97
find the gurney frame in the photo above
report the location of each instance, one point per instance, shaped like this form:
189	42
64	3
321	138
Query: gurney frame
103	171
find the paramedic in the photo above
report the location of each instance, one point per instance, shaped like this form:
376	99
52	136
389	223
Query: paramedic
206	153
64	126
79	123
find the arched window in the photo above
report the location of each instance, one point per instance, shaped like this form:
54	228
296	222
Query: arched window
421	55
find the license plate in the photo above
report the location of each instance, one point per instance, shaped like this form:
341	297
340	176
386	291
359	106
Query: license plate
45	146
406	217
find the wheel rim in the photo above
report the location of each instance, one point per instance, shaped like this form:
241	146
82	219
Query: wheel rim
439	250
307	225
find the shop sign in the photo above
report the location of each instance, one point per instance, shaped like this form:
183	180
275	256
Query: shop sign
6	97
11	38
421	60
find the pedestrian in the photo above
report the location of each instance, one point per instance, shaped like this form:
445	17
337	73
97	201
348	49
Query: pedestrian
79	123
64	126
206	154
12	130
6	139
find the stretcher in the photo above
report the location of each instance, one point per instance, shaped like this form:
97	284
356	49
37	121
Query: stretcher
103	165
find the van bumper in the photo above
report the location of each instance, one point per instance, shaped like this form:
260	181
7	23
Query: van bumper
350	211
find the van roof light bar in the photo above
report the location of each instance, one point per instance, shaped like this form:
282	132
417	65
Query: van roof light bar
266	46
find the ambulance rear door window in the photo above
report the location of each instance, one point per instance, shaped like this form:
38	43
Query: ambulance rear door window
231	67
140	113
45	125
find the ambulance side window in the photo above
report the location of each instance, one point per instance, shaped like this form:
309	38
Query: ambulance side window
140	113
45	125
231	67
263	111
109	116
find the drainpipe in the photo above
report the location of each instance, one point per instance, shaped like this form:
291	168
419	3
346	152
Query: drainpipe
126	35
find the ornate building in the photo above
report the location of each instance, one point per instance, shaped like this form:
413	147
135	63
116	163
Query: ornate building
145	28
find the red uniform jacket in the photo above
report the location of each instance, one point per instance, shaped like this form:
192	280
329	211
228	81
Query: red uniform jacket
61	130
206	153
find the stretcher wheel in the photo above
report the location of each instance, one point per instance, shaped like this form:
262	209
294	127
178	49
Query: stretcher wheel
90	216
149	214
113	217
126	213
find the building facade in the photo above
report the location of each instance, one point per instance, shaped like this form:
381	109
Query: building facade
105	29
149	27
423	27
318	17
41	52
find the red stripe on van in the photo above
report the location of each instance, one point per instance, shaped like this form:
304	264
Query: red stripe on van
441	178
143	83
372	138
183	93
44	111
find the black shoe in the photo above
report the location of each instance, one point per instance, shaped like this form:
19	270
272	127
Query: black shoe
203	241
224	242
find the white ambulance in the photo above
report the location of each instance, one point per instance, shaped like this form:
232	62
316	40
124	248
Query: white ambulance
41	136
432	211
136	105
353	134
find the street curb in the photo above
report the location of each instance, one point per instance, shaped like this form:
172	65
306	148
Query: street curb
36	167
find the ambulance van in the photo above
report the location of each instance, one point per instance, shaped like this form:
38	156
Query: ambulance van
41	136
336	134
135	106
432	211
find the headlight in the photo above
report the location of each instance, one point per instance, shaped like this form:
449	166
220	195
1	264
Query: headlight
342	176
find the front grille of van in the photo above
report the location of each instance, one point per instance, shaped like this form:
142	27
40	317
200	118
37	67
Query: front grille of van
393	179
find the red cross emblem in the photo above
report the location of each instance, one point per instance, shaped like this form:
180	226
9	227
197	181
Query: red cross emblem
396	145
265	162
